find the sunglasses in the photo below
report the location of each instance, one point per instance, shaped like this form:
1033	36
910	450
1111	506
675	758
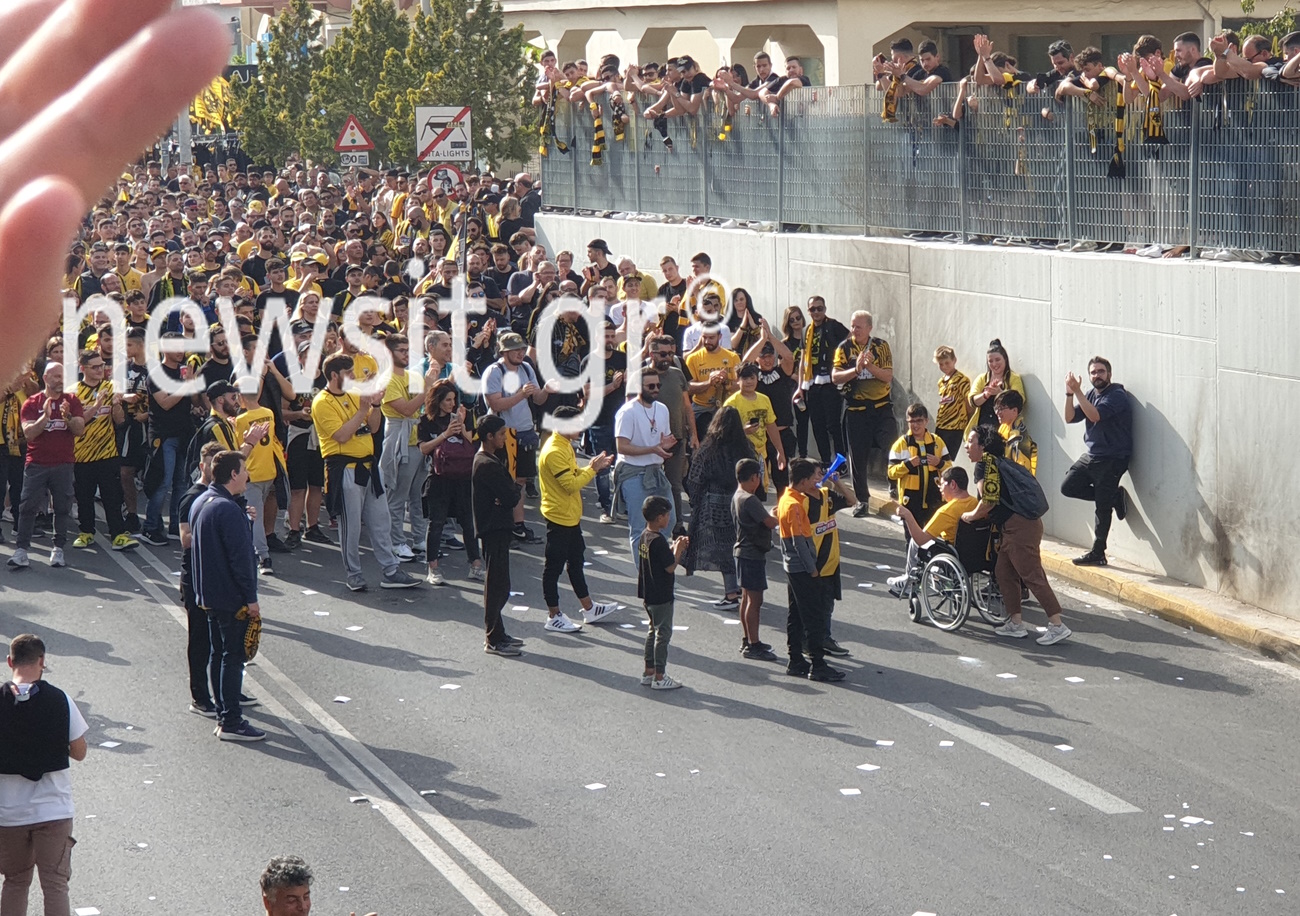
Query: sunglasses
650	387
816	309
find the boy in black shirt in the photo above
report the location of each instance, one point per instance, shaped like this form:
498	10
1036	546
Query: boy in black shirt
753	541
654	585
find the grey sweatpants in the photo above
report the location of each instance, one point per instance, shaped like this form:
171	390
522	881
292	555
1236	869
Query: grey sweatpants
404	500
57	480
362	506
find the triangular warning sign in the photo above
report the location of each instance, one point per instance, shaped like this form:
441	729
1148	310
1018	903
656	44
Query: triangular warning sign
353	138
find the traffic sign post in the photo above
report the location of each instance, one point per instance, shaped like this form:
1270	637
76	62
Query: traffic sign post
353	138
444	134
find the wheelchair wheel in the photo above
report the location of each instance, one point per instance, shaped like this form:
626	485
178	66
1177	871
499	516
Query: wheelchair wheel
914	610
988	599
945	592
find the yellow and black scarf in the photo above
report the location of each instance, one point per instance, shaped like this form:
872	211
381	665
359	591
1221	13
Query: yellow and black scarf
548	128
1153	124
618	109
1117	169
598	137
11	424
890	112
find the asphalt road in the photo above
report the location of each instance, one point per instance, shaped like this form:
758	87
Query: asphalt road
564	787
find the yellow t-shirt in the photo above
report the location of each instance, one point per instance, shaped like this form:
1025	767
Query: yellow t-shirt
296	284
943	524
364	367
265	452
99	441
130	279
399	389
701	364
329	412
760	409
245	249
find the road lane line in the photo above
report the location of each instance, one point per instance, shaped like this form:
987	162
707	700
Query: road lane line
1022	760
393	784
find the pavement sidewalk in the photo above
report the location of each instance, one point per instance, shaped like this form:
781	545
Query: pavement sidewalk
1246	625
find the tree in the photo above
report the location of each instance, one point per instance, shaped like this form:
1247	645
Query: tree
271	112
348	77
461	57
1283	23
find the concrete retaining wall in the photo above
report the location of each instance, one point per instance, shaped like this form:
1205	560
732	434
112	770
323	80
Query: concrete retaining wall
1207	350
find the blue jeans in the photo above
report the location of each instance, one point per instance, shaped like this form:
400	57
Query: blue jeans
601	439
634	494
174	481
226	664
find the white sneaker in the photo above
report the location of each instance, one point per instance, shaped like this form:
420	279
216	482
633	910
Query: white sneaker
599	612
606	518
665	683
1054	634
56	557
561	624
403	552
1013	628
478	573
19	559
1151	251
647	680
900	586
435	578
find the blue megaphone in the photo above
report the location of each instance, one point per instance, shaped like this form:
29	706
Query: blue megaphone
831	471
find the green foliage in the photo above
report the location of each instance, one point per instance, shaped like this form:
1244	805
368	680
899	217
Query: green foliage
271	112
348	77
1283	23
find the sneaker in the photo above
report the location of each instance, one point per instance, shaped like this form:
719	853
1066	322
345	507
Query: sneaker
132	524
606	518
316	536
451	542
293	540
83	541
265	568
831	647
398	578
757	653
403	553
435	578
665	683
1091	558
525	535
503	649
1054	634
478	573
530	489
56	557
19	559
900	586
511	641
246	700
419	558
798	669
726	604
275	545
1015	629
154	538
207	710
599	612
356	584
560	623
124	542
241	732
825	673
861	510
647	680
1121	504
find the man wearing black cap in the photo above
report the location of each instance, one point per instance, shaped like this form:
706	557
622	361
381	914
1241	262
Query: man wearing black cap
495	496
598	254
224	398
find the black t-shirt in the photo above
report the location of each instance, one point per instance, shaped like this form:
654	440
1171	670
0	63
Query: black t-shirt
213	371
772	79
940	71
614	362
506	228
290	297
779	389
1052	77
1182	71
172	422
654	583
695	85
500	277
753	537
667	291
804	81
529	204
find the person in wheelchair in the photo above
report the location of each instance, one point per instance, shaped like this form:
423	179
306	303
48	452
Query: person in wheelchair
941	528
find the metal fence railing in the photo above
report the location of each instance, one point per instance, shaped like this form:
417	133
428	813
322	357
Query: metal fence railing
1011	165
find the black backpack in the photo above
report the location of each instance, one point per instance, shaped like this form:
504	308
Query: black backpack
1021	492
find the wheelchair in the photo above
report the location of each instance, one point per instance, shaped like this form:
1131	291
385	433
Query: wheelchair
949	579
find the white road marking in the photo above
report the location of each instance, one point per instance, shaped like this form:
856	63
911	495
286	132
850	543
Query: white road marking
1022	760
408	800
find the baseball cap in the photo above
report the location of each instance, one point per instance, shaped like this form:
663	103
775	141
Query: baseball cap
298	256
321	258
218	389
510	340
599	245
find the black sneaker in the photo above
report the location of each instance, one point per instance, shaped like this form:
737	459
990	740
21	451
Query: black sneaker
825	673
451	542
831	647
1091	558
530	489
503	649
759	654
207	710
156	538
132	524
246	700
524	535
798	669
292	540
1121	504
511	640
241	732
861	510
265	568
316	536
275	545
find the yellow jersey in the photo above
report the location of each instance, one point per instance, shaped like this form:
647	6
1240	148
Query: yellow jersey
700	364
99	441
266	451
329	412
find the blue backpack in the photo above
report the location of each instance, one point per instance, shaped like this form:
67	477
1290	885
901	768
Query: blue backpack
1021	492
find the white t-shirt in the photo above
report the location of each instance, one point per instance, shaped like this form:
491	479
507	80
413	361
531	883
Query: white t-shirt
691	338
49	798
641	425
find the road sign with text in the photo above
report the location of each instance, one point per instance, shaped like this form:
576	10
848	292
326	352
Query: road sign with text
351	159
443	134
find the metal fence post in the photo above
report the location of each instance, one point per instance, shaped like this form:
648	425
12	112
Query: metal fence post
963	149
1194	182
705	147
573	159
866	164
780	172
635	132
1071	176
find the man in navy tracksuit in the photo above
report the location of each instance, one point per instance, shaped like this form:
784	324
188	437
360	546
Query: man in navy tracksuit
225	584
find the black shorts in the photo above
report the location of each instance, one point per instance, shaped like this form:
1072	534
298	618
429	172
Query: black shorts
751	574
306	467
522	461
131	445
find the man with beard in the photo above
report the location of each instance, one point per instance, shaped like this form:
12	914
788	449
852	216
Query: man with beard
600	435
1107	417
674	393
511	403
644	441
218	427
712	370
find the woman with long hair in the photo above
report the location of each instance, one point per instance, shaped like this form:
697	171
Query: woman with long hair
743	320
445	436
793	325
996	378
710	484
